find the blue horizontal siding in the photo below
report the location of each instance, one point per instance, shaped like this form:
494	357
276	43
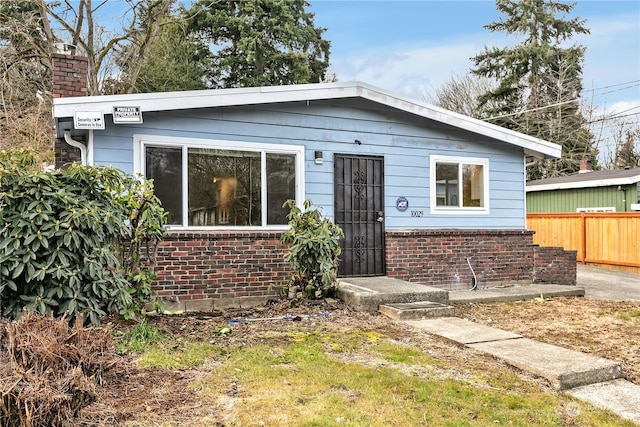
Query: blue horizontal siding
404	140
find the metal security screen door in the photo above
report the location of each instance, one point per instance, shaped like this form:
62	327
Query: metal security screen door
359	210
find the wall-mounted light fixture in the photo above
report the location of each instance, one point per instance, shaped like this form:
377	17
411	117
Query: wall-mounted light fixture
357	141
318	155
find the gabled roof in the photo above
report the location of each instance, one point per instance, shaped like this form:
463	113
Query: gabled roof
166	101
591	179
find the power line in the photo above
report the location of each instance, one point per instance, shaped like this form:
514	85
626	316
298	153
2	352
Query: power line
632	83
532	109
617	116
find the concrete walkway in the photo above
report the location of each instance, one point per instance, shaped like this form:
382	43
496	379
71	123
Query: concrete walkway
587	377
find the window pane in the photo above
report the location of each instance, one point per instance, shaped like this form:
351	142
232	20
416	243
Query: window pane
224	187
447	184
473	185
164	166
281	186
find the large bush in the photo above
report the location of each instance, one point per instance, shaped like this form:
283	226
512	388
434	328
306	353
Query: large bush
314	246
62	237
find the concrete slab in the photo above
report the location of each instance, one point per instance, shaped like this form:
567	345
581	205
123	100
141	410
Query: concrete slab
619	396
514	293
564	368
416	310
369	293
610	285
462	331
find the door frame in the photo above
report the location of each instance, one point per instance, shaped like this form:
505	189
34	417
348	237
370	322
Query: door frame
363	247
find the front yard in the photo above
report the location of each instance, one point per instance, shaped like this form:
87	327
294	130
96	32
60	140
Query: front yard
353	369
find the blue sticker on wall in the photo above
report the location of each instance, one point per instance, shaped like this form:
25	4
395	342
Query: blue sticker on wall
402	204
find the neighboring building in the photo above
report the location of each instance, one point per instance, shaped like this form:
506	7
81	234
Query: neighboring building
420	192
586	191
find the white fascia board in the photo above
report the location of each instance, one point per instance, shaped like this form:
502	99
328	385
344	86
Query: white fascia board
534	146
164	101
583	184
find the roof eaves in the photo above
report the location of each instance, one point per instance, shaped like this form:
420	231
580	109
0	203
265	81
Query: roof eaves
533	145
583	184
162	101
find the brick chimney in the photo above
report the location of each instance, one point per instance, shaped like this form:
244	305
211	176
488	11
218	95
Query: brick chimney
585	166
70	73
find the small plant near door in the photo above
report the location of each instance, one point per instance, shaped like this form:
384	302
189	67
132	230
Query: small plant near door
314	247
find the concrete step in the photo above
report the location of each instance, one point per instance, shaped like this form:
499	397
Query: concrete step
515	293
416	310
369	293
565	369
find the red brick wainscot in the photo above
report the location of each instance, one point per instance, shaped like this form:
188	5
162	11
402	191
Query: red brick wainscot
206	270
499	257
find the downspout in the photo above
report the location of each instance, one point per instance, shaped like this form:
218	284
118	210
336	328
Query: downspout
77	144
90	148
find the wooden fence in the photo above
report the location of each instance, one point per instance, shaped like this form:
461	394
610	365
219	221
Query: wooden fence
609	239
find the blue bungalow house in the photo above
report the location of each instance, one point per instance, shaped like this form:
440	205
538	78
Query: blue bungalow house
421	193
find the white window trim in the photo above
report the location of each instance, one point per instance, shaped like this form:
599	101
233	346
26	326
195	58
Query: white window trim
449	210
141	140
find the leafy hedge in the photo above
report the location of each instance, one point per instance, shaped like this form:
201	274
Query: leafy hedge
62	237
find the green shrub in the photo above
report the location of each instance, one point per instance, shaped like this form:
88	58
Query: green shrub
314	246
62	234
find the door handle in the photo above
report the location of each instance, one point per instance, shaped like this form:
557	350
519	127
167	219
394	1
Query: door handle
379	218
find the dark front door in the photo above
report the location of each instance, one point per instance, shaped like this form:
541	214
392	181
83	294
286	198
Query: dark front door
359	210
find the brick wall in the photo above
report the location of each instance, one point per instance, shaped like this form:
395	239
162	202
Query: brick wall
65	154
439	257
69	75
203	270
554	265
69	79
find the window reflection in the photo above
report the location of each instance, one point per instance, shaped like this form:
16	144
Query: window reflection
164	166
281	185
224	187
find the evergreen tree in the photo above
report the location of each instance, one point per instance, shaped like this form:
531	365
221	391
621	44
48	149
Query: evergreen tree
539	81
261	42
175	61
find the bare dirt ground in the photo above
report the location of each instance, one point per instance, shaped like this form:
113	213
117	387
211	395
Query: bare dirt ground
609	329
167	397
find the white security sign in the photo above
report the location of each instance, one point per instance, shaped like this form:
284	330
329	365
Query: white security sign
127	115
88	120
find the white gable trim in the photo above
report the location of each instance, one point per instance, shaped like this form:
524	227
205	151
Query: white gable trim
166	101
584	184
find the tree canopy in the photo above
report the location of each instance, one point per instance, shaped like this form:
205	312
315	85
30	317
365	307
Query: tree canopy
260	42
539	81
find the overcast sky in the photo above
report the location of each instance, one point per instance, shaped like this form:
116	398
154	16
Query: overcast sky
410	47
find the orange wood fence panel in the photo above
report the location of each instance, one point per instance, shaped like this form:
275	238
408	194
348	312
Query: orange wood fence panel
611	238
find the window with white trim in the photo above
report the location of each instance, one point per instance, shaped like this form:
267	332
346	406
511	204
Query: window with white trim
459	184
222	183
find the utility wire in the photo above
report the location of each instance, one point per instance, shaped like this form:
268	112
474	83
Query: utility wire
631	84
612	117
